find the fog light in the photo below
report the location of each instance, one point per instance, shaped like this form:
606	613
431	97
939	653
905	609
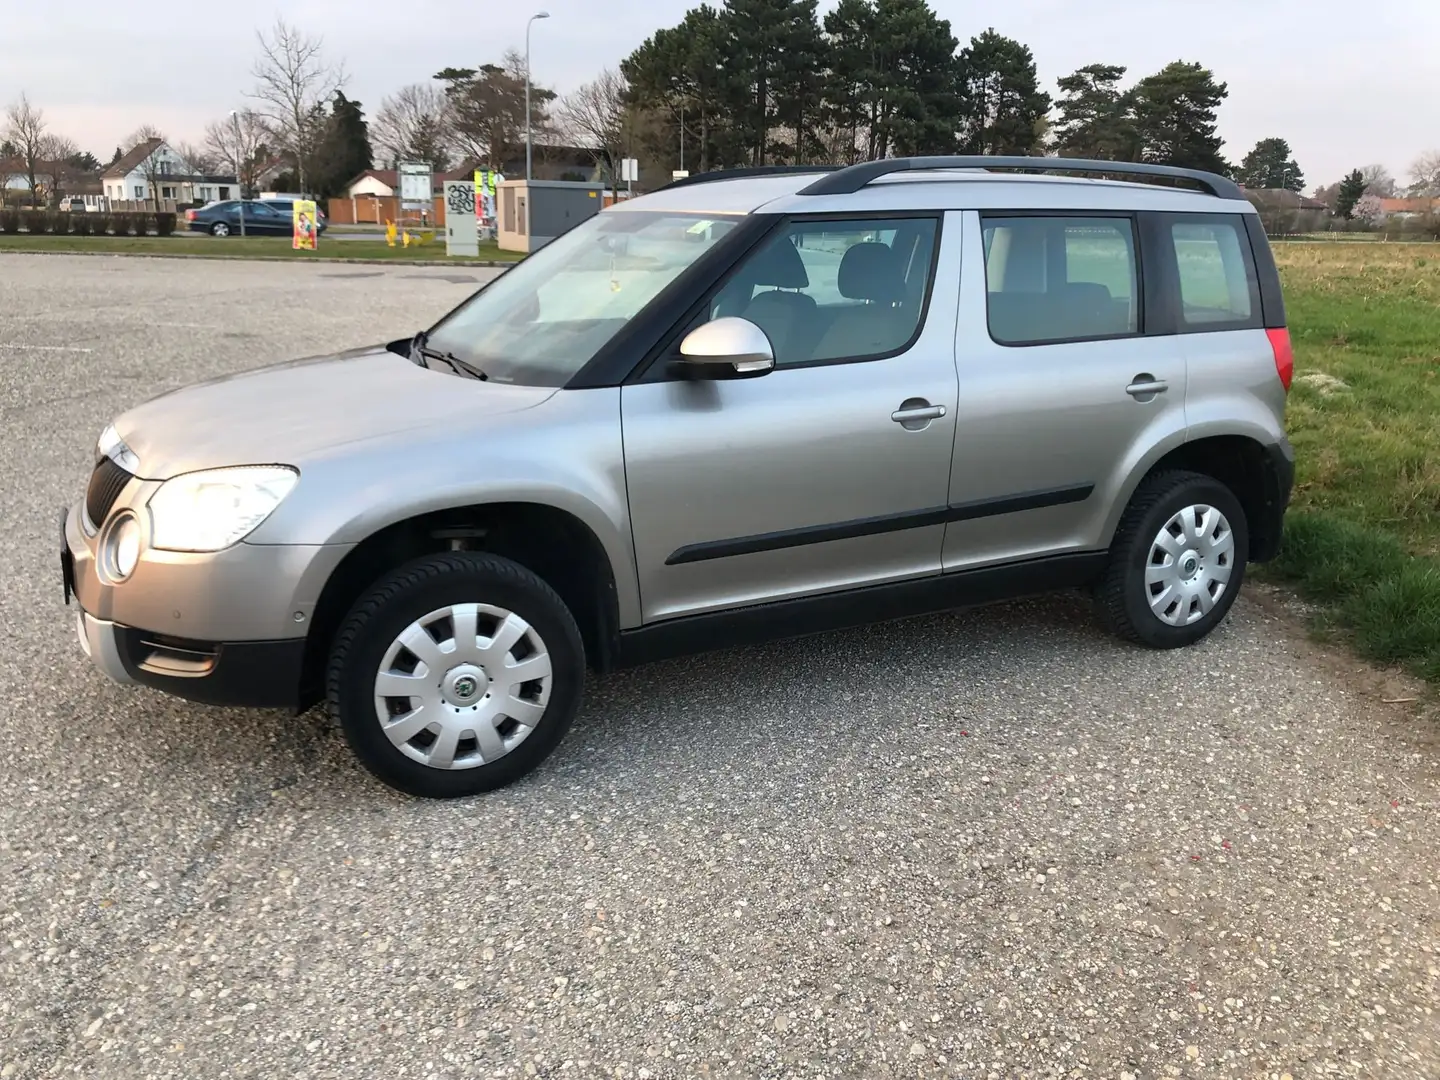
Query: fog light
120	550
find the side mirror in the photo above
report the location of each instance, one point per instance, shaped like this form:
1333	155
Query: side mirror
727	346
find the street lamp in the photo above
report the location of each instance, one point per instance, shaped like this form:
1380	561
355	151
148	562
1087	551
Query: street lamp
235	116
529	143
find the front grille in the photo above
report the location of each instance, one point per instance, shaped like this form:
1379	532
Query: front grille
106	483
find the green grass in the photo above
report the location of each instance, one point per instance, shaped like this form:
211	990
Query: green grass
248	248
1363	535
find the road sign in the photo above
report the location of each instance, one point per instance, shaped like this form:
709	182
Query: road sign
415	184
679	174
629	169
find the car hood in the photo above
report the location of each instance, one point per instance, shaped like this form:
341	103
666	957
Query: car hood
305	409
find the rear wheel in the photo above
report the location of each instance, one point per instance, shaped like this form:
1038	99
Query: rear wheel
456	675
219	229
1177	561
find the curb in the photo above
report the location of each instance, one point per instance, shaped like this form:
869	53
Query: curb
297	259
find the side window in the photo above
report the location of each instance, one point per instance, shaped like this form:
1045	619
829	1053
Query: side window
833	290
1052	279
1218	286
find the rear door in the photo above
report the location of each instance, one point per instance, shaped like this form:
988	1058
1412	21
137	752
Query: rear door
829	472
1067	378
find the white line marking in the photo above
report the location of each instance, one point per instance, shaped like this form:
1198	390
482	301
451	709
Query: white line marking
44	348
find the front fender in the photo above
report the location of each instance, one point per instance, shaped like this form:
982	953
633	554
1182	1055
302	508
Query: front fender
566	454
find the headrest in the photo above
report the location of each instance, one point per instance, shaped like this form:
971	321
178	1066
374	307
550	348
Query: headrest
779	266
1091	292
871	271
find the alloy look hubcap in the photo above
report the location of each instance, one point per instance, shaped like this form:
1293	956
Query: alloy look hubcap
1190	564
463	686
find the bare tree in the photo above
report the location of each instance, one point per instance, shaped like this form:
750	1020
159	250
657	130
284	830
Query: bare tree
60	151
25	128
238	142
201	161
293	79
1378	181
1425	175
597	117
154	164
414	124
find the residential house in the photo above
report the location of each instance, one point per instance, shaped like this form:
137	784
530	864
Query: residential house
53	180
153	172
1404	209
1283	199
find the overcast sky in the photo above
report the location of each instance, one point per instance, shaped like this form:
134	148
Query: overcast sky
1347	85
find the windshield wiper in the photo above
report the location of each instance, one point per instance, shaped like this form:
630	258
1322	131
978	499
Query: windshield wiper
460	367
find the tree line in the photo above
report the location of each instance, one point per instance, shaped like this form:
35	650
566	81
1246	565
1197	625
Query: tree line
745	83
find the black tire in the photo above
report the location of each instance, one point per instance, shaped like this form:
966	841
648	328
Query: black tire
1122	594
408	594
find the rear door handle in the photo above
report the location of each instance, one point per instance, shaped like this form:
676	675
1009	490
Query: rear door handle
908	413
1146	386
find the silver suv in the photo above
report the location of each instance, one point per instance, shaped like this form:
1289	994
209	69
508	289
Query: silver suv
752	404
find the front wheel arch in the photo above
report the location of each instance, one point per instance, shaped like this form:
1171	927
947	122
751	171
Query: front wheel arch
553	544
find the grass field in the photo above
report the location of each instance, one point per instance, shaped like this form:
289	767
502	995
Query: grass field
1364	415
248	248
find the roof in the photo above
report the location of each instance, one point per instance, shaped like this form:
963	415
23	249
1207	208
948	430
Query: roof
1283	198
929	190
1408	206
130	160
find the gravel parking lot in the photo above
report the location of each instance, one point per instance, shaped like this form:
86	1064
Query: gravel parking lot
995	843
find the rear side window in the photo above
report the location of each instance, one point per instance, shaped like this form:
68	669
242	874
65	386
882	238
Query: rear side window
1216	271
1063	278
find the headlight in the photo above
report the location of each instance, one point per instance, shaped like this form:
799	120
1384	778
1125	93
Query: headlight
209	511
112	446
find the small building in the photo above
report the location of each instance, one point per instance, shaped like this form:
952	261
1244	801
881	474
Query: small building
531	213
152	173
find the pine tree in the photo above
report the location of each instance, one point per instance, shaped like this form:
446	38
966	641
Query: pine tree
1003	100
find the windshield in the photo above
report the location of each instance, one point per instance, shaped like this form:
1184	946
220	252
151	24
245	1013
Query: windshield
543	320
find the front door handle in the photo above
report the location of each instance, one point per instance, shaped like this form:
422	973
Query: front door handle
916	413
1146	386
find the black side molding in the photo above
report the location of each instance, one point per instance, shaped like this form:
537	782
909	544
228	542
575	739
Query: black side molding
692	634
873	526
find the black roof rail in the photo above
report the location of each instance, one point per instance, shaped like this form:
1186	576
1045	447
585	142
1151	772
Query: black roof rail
849	180
739	174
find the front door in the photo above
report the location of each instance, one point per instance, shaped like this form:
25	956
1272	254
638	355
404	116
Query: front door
1061	389
832	470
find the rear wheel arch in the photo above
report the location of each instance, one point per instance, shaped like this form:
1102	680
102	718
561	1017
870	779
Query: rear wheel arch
552	543
1240	462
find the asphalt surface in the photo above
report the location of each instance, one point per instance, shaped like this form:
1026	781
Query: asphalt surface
988	844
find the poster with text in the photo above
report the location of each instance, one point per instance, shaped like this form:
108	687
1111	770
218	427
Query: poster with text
305	236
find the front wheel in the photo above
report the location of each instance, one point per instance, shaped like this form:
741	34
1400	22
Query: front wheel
1177	561
456	675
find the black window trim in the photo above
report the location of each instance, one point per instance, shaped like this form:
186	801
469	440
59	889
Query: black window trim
656	365
628	353
1144	310
1166	221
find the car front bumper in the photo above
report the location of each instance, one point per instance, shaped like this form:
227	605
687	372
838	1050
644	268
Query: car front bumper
250	674
227	628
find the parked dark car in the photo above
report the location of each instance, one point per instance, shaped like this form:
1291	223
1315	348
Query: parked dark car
261	219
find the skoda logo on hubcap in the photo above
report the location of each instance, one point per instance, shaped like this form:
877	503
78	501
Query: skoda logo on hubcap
465	687
1189	565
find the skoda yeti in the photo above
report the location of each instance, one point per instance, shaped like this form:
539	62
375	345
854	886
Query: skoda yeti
755	403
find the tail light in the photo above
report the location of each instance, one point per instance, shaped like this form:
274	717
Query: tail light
1284	355
189	215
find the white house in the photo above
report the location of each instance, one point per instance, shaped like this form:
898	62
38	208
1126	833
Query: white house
153	170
